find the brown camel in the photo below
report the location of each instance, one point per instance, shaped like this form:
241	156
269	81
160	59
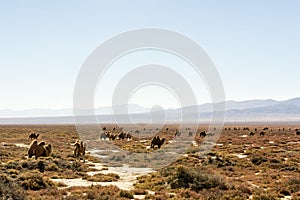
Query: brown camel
262	133
39	149
157	141
203	134
79	149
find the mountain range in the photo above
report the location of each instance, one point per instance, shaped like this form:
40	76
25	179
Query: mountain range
236	111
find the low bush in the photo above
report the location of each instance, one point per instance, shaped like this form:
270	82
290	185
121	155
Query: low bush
125	194
195	179
103	177
34	180
293	185
10	189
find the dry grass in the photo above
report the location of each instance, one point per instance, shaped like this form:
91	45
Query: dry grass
269	168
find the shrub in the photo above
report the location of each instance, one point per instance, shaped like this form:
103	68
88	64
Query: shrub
10	190
294	185
125	194
195	179
264	195
103	177
257	160
34	180
33	164
13	165
138	191
76	166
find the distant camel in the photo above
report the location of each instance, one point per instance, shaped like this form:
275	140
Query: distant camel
265	129
262	133
122	136
157	141
128	136
177	133
203	134
39	150
112	136
298	132
103	136
79	149
252	133
33	136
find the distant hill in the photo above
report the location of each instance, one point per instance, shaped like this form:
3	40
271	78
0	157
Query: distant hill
236	111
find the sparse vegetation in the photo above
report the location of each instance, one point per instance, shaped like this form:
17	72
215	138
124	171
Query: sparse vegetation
240	166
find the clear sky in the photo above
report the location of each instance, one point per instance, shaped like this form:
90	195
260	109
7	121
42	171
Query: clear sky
255	46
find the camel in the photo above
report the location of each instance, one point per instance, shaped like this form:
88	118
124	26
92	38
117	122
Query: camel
262	133
128	136
79	149
177	133
265	129
104	135
298	132
157	141
122	136
33	136
39	149
203	134
252	133
112	136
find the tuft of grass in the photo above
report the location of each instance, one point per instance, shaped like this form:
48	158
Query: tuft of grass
34	180
103	177
195	179
10	189
125	194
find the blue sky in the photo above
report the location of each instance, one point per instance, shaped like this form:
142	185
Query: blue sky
255	46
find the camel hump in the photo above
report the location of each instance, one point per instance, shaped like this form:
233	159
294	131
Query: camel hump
42	143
